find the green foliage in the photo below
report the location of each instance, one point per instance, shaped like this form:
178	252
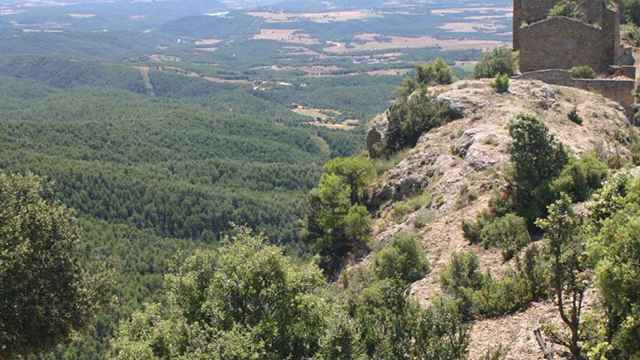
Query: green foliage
403	260
178	170
568	8
509	233
613	249
403	208
473	228
338	224
582	72
479	294
460	279
580	178
244	301
497	61
574	117
45	294
537	159
632	11
434	73
630	32
410	117
501	83
567	277
393	327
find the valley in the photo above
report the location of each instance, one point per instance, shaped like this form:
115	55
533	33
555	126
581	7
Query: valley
164	124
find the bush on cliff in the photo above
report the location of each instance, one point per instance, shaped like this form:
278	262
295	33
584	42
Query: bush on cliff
568	8
582	72
434	73
403	260
501	83
497	61
412	116
537	159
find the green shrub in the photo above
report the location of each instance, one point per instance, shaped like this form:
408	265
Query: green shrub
435	73
479	294
509	233
403	260
410	117
403	208
537	159
568	8
582	72
461	278
631	33
473	228
580	178
632	11
497	61
574	117
424	218
501	83
500	297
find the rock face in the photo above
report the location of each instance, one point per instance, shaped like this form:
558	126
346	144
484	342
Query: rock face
461	162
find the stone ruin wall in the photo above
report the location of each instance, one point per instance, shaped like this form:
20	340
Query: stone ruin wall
621	91
562	43
597	39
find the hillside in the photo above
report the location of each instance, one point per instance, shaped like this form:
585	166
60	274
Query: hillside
461	163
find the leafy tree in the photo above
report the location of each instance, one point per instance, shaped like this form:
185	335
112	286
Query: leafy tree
247	300
356	171
580	178
44	293
434	73
394	327
614	248
537	159
338	225
403	260
411	117
567	273
497	61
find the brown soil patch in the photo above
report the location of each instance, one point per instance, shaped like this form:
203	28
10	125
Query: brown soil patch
291	36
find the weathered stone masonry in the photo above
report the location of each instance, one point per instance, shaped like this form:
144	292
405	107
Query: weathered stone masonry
549	46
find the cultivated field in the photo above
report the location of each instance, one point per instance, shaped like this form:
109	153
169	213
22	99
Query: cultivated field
377	42
319	17
291	36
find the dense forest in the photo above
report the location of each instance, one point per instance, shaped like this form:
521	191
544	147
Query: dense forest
160	206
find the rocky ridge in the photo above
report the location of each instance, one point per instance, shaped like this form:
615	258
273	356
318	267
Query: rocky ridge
461	162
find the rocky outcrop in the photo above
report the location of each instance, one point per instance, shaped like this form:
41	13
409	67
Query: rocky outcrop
461	162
